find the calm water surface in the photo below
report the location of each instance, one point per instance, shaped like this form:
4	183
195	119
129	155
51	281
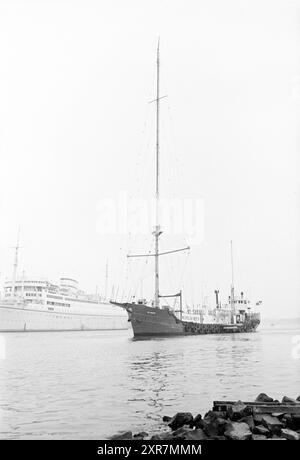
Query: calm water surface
90	385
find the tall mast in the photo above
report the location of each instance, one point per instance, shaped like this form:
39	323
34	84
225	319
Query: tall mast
157	226
15	265
157	231
232	284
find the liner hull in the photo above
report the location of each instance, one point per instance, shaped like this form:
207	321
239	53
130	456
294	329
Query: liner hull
14	319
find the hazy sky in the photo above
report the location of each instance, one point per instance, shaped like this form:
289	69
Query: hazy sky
76	127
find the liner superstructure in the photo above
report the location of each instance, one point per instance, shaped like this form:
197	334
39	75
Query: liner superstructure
36	304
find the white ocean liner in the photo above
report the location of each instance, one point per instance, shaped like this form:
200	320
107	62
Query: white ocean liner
37	305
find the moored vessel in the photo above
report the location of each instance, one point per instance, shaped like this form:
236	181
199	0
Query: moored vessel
39	305
36	304
155	319
148	320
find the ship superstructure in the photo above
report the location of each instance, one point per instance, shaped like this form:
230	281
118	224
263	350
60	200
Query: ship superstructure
36	304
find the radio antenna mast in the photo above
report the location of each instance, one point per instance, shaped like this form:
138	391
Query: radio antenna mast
16	248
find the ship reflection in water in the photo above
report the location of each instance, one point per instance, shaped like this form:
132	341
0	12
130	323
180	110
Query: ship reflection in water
93	384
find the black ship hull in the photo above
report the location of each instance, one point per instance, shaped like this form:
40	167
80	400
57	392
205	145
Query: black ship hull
155	322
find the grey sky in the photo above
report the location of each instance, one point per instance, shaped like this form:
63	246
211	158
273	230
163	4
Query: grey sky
75	81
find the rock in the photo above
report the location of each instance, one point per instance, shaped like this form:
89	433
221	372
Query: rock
161	436
261	430
212	430
295	421
180	419
214	427
290	434
181	432
166	418
222	425
276	438
257	418
258	437
140	435
287	400
237	411
279	415
187	433
238	431
124	435
291	421
262	397
249	420
286	420
221	414
298	398
197	421
196	435
272	423
209	428
213	415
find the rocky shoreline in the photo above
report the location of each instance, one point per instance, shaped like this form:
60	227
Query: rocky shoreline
262	419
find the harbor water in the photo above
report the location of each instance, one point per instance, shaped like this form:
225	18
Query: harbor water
90	385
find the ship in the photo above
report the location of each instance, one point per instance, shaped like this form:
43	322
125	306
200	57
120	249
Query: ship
36	304
153	319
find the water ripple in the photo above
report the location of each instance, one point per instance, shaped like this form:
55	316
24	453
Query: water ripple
90	385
